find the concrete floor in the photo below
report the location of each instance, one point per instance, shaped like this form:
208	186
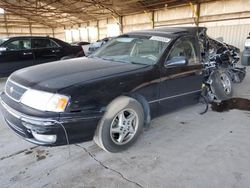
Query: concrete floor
181	149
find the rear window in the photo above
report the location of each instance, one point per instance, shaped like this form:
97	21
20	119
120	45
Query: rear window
43	43
3	40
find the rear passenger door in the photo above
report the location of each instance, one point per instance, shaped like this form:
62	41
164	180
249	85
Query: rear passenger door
181	85
45	50
17	54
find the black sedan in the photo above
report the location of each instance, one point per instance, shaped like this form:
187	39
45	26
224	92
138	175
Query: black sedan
108	96
20	52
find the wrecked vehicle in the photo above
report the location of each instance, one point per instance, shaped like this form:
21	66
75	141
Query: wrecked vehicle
110	95
221	67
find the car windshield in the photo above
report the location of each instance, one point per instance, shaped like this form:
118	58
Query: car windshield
2	40
136	50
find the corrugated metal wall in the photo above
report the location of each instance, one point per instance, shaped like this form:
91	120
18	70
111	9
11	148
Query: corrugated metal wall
229	19
232	34
137	22
25	27
102	28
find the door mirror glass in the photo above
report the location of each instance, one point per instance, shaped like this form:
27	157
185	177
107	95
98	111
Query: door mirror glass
176	61
2	49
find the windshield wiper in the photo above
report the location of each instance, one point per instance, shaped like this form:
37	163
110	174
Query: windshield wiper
116	60
138	63
107	59
94	57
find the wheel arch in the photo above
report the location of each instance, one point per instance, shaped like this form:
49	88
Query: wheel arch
117	104
145	106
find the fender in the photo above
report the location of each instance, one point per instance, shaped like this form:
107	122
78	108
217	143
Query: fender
145	105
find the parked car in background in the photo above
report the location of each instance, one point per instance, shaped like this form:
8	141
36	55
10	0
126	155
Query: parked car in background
81	43
95	45
84	45
20	52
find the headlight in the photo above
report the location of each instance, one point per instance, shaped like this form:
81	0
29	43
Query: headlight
45	101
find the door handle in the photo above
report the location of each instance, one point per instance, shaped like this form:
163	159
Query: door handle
54	51
27	53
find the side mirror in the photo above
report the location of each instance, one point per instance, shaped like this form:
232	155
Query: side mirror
177	61
2	49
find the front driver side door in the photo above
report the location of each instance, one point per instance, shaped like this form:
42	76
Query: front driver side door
181	85
17	54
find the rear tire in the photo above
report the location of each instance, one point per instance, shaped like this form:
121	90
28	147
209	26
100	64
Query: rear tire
121	125
221	85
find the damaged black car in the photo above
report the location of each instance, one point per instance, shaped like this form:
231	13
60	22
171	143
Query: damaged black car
110	95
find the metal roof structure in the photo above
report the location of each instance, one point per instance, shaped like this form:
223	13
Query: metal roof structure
57	13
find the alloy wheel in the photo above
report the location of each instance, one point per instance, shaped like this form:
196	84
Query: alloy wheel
124	126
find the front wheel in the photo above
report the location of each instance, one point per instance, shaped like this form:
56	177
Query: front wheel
121	125
221	85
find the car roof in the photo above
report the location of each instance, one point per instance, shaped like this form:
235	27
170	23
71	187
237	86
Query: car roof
58	41
28	37
167	31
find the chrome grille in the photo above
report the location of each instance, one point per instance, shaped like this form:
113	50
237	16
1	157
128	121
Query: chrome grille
14	90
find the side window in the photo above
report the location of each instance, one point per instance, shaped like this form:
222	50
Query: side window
185	47
20	44
43	43
53	44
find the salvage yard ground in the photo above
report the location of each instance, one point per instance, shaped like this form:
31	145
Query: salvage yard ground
181	149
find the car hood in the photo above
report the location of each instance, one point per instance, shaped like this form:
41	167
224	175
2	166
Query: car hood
62	74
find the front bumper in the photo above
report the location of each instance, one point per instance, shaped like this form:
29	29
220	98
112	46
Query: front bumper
50	131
